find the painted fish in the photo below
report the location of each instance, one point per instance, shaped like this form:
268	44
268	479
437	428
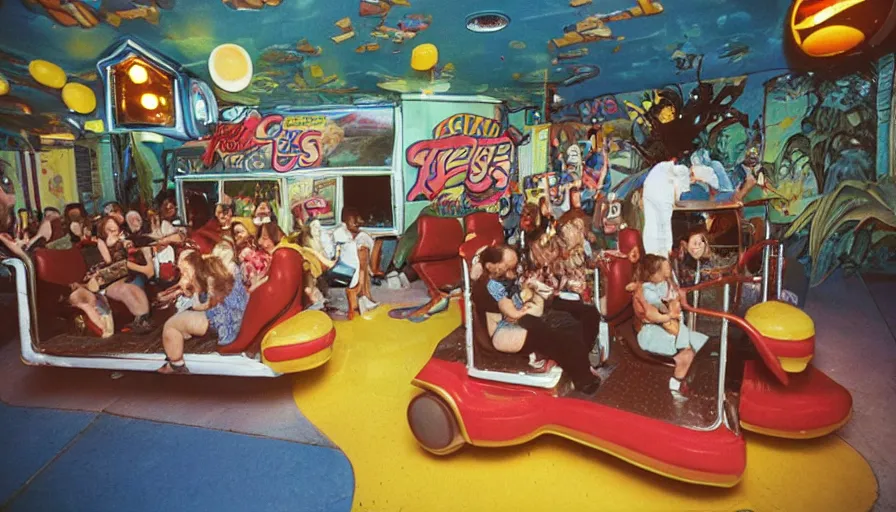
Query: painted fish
573	54
734	52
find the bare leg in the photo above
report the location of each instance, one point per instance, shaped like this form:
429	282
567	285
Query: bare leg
131	295
86	302
179	327
683	360
364	277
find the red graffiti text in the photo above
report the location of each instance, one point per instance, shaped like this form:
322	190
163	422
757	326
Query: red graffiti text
486	164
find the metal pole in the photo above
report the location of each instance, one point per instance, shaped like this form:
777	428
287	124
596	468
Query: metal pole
780	270
723	351
692	317
766	254
468	316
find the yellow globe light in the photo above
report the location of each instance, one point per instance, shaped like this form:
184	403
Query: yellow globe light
230	67
149	101
79	98
138	74
4	85
47	73
424	57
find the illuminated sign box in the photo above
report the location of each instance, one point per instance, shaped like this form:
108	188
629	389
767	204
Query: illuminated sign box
146	91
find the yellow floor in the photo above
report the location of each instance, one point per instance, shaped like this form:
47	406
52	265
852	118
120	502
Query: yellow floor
359	401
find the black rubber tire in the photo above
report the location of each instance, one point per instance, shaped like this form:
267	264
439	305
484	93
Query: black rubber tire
433	424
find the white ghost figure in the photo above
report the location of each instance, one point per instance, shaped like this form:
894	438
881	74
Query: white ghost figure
706	175
574	160
663	186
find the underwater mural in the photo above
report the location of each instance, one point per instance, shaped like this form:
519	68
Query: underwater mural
357	49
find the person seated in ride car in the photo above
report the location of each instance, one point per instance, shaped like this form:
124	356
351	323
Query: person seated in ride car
168	233
253	260
652	279
94	305
221	304
264	214
515	329
224	215
119	278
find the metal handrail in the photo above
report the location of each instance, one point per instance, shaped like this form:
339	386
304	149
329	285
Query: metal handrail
771	361
30	291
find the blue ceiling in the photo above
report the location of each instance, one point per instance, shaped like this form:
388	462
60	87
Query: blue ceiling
722	37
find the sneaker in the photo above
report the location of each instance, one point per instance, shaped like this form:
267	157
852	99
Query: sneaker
679	389
141	325
535	362
403	279
365	305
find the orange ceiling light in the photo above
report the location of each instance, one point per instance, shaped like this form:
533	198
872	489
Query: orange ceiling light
144	94
826	28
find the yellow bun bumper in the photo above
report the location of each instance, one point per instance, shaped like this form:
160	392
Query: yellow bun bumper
301	343
788	331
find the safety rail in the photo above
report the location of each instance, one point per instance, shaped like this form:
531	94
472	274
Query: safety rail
754	335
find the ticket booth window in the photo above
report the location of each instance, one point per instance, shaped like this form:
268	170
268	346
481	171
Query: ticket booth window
371	196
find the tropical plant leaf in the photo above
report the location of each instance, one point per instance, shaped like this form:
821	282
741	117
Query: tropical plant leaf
827	261
835	204
803	219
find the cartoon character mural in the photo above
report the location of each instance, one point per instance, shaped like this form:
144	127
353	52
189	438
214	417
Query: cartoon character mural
805	142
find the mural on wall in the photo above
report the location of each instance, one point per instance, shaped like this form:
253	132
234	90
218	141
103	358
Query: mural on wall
804	142
469	164
819	133
56	181
294	140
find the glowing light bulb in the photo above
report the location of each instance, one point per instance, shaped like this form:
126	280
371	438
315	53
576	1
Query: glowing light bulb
138	74
149	101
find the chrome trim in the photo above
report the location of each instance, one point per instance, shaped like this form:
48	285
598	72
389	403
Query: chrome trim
468	316
692	317
723	354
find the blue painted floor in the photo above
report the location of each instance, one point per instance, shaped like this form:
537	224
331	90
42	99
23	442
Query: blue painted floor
60	461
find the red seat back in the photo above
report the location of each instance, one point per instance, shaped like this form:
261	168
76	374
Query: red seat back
276	300
486	226
618	274
61	267
438	238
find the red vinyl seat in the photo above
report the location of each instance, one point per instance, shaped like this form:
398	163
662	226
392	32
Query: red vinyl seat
278	299
487	226
61	267
435	256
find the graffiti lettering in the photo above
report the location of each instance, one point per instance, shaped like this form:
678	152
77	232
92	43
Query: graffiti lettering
294	145
257	143
602	108
486	164
467	124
